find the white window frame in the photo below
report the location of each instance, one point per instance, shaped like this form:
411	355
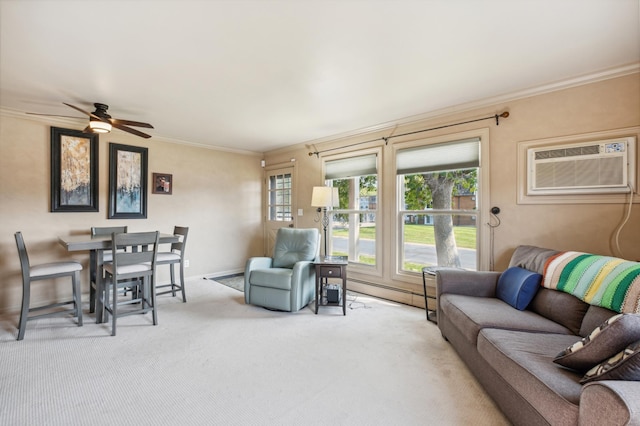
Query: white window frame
360	268
483	246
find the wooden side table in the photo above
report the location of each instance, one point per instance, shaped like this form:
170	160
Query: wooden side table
328	267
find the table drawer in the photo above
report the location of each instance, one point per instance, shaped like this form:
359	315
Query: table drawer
331	271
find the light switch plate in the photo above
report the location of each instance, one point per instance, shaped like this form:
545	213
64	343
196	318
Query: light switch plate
300	212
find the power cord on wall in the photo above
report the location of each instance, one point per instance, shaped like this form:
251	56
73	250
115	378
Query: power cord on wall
494	214
622	224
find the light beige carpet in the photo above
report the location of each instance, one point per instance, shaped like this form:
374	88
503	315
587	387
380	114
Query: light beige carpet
217	361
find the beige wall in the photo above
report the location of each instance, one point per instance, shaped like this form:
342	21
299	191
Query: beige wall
216	193
596	107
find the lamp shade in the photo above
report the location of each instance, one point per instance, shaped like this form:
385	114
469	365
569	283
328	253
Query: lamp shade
99	126
325	196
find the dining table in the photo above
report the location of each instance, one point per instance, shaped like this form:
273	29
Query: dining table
96	245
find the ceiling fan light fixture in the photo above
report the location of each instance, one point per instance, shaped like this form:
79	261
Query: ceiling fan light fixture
99	126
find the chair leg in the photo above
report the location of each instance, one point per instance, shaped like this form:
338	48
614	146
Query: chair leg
92	281
173	280
114	308
184	297
24	312
92	298
77	298
152	289
101	300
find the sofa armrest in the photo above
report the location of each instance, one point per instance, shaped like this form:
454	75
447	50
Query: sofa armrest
611	402
469	283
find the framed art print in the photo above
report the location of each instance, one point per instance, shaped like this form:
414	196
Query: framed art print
127	182
162	183
74	171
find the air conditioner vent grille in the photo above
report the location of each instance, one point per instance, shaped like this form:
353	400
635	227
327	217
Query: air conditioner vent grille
568	152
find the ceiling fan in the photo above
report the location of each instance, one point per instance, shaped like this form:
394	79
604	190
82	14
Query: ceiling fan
101	122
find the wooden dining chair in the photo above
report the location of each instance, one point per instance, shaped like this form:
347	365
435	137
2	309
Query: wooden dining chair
175	257
133	269
46	271
106	256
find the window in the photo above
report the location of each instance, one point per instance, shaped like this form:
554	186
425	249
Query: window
354	222
438	205
279	197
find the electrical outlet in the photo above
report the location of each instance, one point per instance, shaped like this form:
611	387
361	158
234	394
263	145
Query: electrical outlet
186	263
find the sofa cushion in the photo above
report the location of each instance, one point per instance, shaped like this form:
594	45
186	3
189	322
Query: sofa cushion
524	360
595	316
625	365
560	307
518	286
471	314
611	337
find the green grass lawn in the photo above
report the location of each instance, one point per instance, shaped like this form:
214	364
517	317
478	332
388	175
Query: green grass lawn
421	234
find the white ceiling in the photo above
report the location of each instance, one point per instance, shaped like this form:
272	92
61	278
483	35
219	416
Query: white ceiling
259	74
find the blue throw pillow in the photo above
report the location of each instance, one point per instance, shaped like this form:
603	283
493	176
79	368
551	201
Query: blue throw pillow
518	286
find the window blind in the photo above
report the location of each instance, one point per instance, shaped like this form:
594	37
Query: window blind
350	167
462	154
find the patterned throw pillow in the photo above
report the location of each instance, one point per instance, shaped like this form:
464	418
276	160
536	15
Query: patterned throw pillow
623	366
611	337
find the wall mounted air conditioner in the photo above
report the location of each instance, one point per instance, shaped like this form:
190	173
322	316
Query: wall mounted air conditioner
582	168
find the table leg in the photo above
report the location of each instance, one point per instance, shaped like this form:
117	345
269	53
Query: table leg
317	292
344	293
92	281
99	294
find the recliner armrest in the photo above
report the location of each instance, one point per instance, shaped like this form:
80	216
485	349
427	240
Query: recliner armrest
257	263
302	267
303	273
254	263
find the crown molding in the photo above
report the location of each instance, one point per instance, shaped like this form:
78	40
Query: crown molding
607	74
80	123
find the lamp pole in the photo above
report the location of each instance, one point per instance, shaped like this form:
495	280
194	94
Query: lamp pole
325	225
324	197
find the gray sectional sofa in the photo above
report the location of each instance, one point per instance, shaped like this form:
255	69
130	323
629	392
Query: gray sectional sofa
511	352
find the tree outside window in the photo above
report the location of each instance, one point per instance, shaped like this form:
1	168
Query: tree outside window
433	197
438	193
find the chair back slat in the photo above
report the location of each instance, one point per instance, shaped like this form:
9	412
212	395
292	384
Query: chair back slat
144	248
180	246
107	230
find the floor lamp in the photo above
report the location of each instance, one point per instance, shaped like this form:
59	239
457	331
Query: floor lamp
324	197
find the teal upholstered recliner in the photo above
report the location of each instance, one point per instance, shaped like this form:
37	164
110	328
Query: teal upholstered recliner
287	281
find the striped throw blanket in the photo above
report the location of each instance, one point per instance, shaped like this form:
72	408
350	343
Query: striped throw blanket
609	282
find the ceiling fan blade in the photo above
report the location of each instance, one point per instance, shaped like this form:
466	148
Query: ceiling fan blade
115	121
86	113
130	130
